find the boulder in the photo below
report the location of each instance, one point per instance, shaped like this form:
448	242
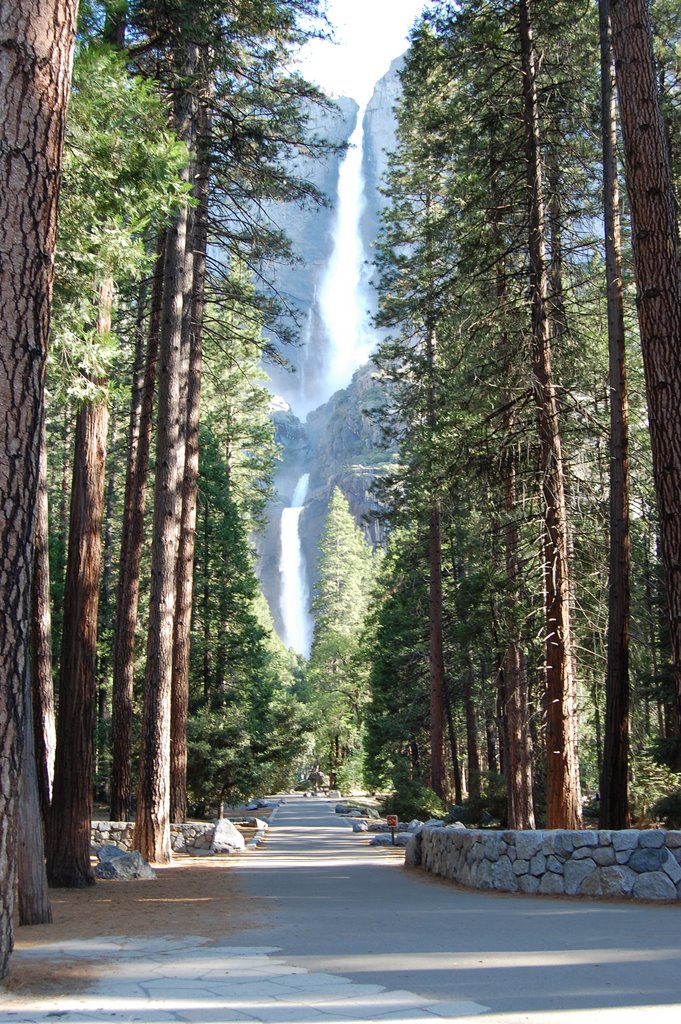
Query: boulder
126	867
655	885
227	838
401	839
109	852
360	826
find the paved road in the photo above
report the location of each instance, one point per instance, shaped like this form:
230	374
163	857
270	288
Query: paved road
346	934
340	907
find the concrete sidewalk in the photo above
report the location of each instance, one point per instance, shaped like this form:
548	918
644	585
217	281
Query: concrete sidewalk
349	935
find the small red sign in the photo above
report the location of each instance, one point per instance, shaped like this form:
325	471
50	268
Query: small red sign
391	820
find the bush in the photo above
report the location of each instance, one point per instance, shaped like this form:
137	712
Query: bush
668	809
487	809
651	783
414	800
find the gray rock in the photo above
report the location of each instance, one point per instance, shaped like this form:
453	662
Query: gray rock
333	794
528	884
655	885
125	868
412	853
585	838
626	840
360	826
528	844
647	860
521	867
551	884
615	881
227	838
673	840
109	852
457	825
651	840
538	864
195	851
503	876
604	856
574	873
672	868
554	865
492	846
401	839
434	823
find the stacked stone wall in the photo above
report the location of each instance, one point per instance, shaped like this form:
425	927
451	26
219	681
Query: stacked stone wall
645	865
185	837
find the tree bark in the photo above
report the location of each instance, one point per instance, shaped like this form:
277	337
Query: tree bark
658	280
562	770
190	483
614	804
34	902
152	822
132	532
68	840
472	751
36	44
44	727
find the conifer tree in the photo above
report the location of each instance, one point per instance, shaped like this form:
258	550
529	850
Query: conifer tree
335	675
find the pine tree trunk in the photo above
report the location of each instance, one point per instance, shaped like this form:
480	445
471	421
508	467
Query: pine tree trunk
473	754
185	560
614	802
658	279
152	822
68	839
36	44
562	770
34	902
44	728
141	417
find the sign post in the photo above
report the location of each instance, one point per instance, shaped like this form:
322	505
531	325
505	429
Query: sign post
392	824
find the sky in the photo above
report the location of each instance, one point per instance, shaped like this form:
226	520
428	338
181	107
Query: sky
369	35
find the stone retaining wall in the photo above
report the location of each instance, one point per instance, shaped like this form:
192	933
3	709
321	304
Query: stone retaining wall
182	837
645	865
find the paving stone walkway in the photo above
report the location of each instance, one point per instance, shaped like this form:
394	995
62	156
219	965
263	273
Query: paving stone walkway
158	982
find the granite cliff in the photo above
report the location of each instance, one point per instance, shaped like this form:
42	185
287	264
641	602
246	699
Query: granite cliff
338	443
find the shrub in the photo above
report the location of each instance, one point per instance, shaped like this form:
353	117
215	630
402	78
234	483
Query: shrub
414	800
668	809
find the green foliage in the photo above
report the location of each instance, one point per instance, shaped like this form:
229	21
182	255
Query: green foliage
668	809
651	783
396	645
489	809
121	179
411	800
335	678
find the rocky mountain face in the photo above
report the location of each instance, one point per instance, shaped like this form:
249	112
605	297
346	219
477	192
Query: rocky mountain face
339	442
339	445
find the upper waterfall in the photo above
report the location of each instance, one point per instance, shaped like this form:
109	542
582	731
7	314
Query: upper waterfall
344	296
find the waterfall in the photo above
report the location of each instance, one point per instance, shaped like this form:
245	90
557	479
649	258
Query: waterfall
294	600
341	305
344	294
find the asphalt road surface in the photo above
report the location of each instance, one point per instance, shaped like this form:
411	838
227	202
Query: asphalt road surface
335	906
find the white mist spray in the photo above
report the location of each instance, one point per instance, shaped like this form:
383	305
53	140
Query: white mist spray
294	600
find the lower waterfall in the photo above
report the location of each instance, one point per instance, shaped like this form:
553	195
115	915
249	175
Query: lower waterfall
295	599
